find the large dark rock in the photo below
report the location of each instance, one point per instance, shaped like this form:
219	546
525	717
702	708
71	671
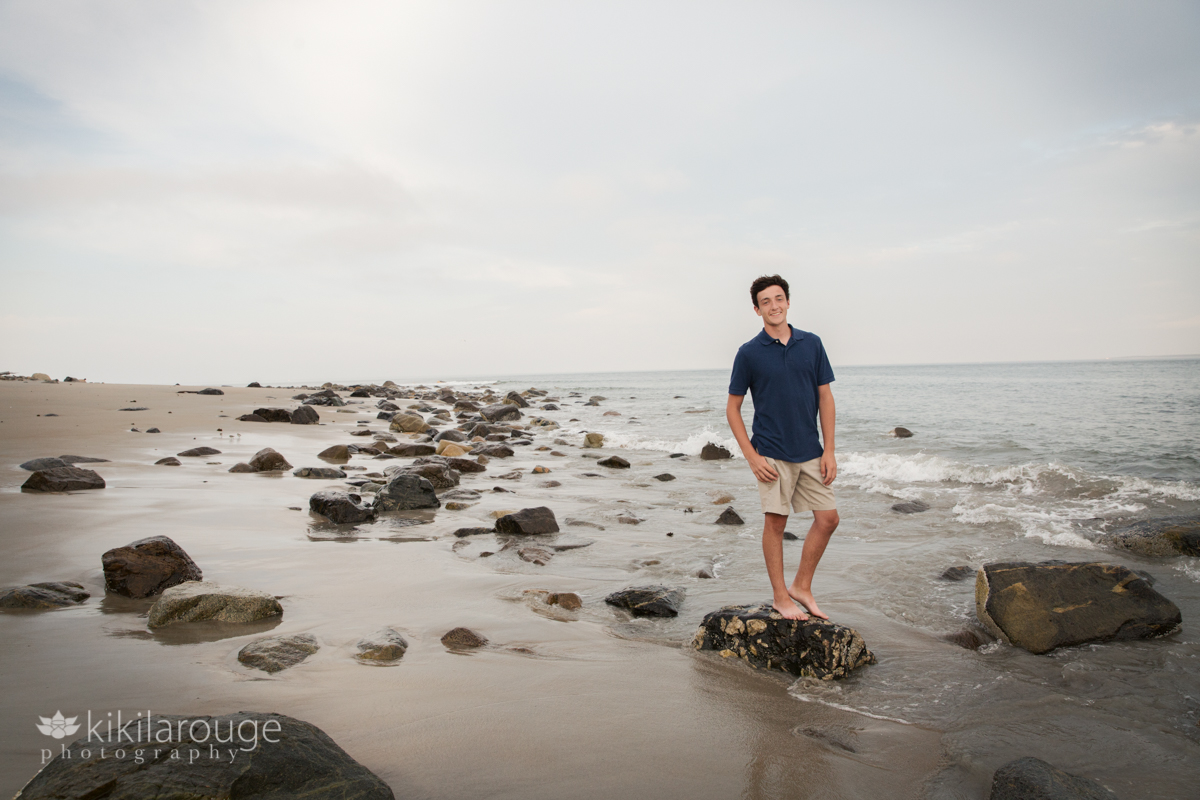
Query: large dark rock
268	460
340	508
665	477
199	452
406	491
44	464
647	601
409	450
251	418
1055	604
493	450
210	391
730	517
304	415
614	462
712	452
438	474
338	452
760	636
147	566
321	473
1166	536
63	479
450	435
289	759
197	601
453	462
913	507
276	653
901	433
1031	778
500	411
528	521
409	423
275	414
512	398
44	595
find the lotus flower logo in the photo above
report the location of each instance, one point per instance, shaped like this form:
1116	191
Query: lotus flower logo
58	726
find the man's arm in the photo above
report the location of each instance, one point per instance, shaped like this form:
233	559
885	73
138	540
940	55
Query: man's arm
828	415
733	413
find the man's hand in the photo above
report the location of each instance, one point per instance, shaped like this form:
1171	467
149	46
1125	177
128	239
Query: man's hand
763	471
828	468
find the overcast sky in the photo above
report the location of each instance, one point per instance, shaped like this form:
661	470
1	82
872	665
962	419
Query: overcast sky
234	191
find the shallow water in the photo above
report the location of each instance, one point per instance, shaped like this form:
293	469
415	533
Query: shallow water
1016	462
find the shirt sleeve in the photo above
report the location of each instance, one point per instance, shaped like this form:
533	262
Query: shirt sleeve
824	371
739	381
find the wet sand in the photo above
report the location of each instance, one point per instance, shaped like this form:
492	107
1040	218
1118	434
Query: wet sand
584	705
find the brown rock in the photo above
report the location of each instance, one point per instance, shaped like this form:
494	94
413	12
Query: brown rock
147	567
268	460
339	453
463	639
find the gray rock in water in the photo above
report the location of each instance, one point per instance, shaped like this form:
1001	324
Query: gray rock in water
960	573
450	435
613	462
304	415
665	477
459	464
200	600
760	636
169	461
84	459
500	411
268	460
438	474
383	647
340	508
730	517
1165	536
648	601
712	452
210	391
513	398
44	595
463	639
406	491
242	466
901	433
914	507
1031	778
494	450
338	452
197	452
298	760
63	479
277	653
528	521
44	463
463	532
1052	604
409	423
410	450
322	473
147	567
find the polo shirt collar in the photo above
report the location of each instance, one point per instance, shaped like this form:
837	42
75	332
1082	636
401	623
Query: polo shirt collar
765	338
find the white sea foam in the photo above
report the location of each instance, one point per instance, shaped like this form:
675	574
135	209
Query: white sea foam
692	445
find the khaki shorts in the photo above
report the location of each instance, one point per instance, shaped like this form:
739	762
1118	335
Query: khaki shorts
799	486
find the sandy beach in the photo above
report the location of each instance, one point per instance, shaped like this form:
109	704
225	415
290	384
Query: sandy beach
581	704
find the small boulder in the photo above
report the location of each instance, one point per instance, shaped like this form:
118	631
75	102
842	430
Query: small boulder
44	595
614	462
63	479
319	473
84	459
409	423
340	508
195	601
515	399
254	385
500	411
959	573
593	440
913	507
712	452
438	474
44	463
565	600
459	464
268	460
169	461
242	466
383	647
339	453
665	477
463	532
494	450
210	391
251	418
647	601
147	567
1051	604
730	517
463	639
901	433
198	452
304	415
451	449
276	653
1031	778
411	450
406	491
760	636
1165	536
528	521
535	555
275	414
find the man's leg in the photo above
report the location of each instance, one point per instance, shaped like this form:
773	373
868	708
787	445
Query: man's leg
823	526
772	544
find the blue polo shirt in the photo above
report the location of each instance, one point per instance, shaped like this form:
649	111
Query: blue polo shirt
783	381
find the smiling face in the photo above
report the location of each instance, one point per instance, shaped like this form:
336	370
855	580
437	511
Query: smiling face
772	306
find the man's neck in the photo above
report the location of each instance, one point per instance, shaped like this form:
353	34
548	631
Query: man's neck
781	332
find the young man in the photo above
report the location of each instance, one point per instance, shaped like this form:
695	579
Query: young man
788	373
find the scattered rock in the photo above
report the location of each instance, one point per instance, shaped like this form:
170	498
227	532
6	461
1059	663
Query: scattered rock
515	399
612	413
665	477
677	455
210	391
960	573
615	462
169	461
339	452
44	464
276	653
1166	536
1031	778
969	638
268	460
535	555
63	479
200	600
383	647
251	418
451	449
495	450
197	452
565	600
153	430
44	595
134	408
705	572
84	459
409	423
901	433
406	491
459	464
463	639
647	601
321	473
500	411
788	536
254	385
593	440
723	500
411	450
438	474
304	415
301	761
550	484
147	567
462	532
528	521
276	414
626	519
539	470
730	517
914	507
712	452
340	508
1051	604
760	636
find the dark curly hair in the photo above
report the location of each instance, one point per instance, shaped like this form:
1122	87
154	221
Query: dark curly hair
763	282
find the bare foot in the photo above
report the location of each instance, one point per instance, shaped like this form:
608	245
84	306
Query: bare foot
789	610
807	600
